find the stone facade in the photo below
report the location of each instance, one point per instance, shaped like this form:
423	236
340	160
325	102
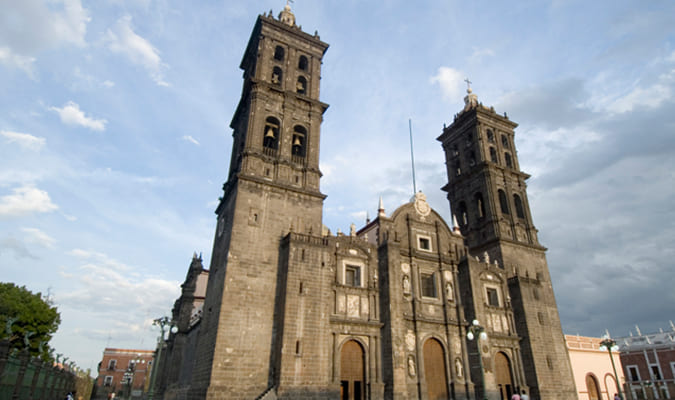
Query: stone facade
294	312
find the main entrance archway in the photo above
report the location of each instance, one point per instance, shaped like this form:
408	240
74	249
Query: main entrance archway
352	371
503	375
434	370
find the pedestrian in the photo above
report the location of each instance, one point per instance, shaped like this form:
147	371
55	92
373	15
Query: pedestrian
524	395
69	396
616	396
516	396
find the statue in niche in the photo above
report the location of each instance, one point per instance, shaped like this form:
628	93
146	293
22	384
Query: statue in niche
411	366
459	368
448	292
352	229
406	284
486	257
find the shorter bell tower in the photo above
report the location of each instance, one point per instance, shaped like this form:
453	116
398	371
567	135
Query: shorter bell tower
488	196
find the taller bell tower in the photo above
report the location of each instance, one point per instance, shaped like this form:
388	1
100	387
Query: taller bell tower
272	188
487	193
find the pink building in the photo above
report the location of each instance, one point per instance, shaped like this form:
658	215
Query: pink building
592	368
125	372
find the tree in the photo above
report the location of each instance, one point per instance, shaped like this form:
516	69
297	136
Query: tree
33	319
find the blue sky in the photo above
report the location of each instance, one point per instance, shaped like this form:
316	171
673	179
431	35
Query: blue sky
115	141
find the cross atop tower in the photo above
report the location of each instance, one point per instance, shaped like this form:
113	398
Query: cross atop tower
468	85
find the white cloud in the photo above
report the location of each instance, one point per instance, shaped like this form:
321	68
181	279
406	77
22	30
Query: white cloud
24	140
479	54
651	97
108	83
71	114
25	200
450	81
123	40
37	236
28	26
190	139
10	59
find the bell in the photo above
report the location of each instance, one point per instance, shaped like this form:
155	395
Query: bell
296	141
270	133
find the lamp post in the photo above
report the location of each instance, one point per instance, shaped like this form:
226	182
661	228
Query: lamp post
131	373
163	323
610	345
477	331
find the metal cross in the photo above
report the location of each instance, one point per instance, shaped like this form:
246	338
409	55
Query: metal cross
468	83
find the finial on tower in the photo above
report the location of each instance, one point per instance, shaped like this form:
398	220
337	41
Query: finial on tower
286	16
470	100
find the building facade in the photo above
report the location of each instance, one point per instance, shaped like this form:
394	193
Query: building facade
648	363
125	372
294	312
592	368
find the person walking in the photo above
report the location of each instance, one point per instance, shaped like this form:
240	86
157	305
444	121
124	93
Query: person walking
524	395
516	396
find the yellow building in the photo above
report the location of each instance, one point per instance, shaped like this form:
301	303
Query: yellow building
592	368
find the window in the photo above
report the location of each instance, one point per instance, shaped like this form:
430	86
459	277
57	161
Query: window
490	136
302	63
492	297
428	285
279	53
277	76
656	372
301	85
468	140
503	204
507	160
633	373
455	151
271	138
480	205
493	155
472	159
353	275
519	206
424	243
542	318
108	381
505	142
112	364
463	216
458	169
299	141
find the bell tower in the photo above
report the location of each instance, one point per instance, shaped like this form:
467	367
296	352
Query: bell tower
272	188
488	197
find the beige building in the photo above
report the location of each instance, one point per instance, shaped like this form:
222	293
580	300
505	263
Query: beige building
592	368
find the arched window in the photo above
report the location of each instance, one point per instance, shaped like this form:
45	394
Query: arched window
519	206
271	134
302	63
480	205
458	169
490	136
493	155
301	85
592	387
277	76
299	141
505	142
468	139
434	370
463	215
455	150
507	159
503	204
279	53
472	159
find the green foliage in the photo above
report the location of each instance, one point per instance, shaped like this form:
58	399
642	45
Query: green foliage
30	313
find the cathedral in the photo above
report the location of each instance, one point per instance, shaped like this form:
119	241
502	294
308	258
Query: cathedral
406	307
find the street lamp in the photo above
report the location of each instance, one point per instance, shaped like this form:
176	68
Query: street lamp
475	330
163	323
130	374
610	345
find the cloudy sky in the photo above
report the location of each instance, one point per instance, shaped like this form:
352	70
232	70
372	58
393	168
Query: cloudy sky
115	141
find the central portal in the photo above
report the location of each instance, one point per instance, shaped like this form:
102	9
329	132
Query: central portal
352	377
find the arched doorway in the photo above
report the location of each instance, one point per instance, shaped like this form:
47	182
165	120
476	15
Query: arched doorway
503	375
592	387
434	370
352	376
